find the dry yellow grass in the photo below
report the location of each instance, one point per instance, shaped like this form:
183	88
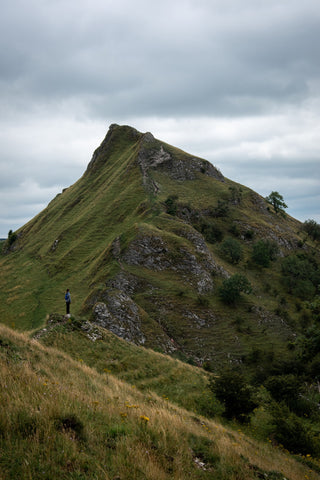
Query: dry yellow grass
148	436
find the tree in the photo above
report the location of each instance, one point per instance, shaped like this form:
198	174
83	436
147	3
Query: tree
231	288
277	202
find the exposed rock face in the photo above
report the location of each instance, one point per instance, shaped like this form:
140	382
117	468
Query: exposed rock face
153	156
114	309
120	315
187	255
153	253
128	283
200	246
55	319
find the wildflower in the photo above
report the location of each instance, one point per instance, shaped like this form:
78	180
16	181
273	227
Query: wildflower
144	419
123	414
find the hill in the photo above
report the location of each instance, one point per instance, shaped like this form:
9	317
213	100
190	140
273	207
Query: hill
146	240
166	260
65	420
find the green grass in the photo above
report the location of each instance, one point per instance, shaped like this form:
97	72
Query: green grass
65	420
147	370
74	400
70	245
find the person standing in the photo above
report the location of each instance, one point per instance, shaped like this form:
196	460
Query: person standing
68	301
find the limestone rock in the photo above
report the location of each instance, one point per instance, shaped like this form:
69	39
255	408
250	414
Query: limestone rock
121	316
154	253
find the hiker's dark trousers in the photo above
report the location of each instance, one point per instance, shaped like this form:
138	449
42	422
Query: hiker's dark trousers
68	307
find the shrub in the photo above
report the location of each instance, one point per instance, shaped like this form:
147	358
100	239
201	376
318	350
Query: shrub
221	210
291	432
234	230
236	395
231	250
284	388
249	234
211	232
231	289
235	195
312	228
301	275
264	251
171	204
12	237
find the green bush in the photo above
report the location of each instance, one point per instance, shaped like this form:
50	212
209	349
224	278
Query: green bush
284	388
264	251
232	390
211	232
312	228
171	204
203	301
221	210
292	432
230	291
301	275
12	237
231	250
234	230
249	234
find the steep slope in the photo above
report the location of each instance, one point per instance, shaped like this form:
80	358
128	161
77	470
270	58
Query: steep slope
138	239
64	420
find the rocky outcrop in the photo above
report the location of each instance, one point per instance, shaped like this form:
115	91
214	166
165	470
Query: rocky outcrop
116	311
56	320
120	315
154	253
200	246
154	156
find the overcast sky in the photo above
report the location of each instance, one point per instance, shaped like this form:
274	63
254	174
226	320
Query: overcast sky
235	82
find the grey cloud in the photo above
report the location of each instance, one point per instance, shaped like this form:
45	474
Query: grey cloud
234	82
149	61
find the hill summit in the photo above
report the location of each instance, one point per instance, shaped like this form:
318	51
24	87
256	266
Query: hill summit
149	240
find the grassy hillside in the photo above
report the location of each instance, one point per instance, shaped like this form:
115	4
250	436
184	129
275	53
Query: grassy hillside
150	233
153	244
143	368
65	420
65	243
